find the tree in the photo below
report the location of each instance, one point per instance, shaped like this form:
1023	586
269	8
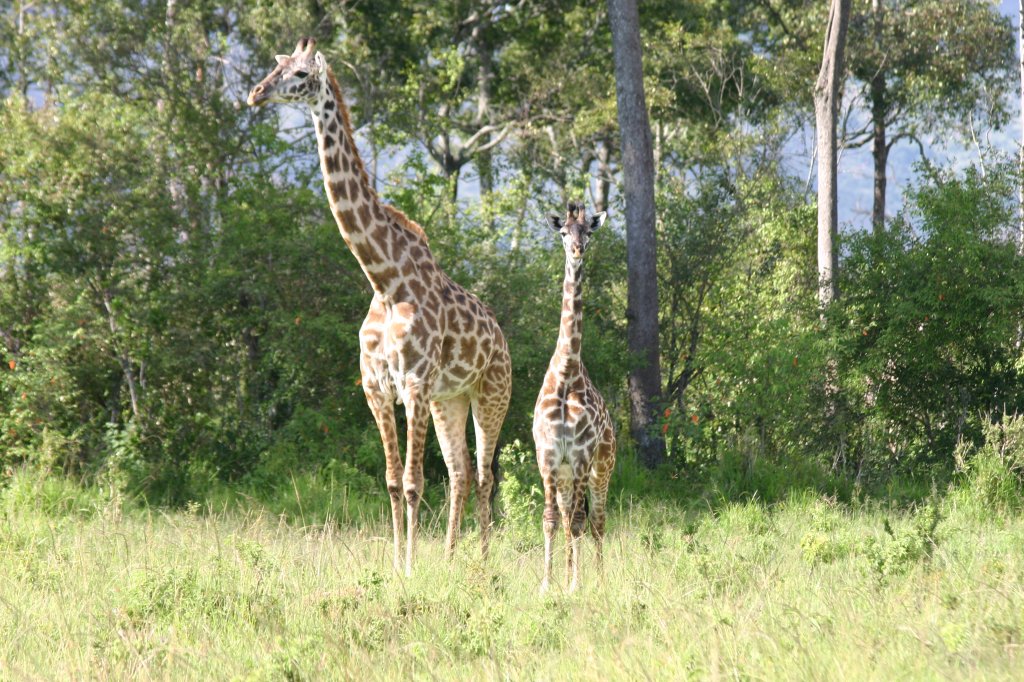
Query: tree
641	258
927	64
826	100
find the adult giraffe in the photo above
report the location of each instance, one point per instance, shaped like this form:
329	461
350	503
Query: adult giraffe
426	342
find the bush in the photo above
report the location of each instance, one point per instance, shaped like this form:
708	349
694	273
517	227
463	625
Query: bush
522	499
992	474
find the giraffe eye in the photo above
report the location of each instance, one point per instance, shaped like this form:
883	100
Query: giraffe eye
301	74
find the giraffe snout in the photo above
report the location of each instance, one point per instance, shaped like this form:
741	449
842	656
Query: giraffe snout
256	95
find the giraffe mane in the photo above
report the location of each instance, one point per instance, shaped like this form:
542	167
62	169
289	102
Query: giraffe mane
402	220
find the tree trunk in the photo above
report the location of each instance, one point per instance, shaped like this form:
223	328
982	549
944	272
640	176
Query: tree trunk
484	160
879	109
604	173
826	100
122	357
638	190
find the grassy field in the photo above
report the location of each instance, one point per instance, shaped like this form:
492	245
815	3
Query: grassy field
802	589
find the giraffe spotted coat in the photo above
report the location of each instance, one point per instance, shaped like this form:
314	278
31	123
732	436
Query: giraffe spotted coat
426	342
572	429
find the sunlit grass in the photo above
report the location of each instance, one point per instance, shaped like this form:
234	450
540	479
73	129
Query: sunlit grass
806	588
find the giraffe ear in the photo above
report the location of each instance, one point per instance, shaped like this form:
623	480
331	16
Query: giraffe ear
281	58
555	222
597	220
320	62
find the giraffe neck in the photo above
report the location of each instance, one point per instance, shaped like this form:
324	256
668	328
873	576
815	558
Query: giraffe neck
361	216
570	331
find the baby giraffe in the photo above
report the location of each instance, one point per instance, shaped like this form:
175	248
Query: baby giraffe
571	426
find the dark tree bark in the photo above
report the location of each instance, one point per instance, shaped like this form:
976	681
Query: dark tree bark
826	102
638	190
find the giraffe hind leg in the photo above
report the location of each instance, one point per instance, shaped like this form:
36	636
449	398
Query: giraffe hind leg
489	407
600	475
450	427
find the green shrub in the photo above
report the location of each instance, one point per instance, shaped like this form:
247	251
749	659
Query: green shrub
55	495
522	500
992	473
899	550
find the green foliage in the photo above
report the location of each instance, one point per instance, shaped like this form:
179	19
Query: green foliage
522	499
992	473
926	328
898	550
33	490
178	315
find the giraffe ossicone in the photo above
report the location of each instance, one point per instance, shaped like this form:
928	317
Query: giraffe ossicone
426	341
572	430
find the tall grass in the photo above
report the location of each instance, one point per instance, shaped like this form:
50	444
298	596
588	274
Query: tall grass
805	588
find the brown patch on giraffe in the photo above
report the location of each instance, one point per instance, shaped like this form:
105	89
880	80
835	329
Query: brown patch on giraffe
364	213
446	352
337	188
331	163
367	254
398	244
417	289
412	355
468	350
348	218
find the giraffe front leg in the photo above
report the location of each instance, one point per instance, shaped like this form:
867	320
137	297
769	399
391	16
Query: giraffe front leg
416	416
383	410
564	487
577	522
550	526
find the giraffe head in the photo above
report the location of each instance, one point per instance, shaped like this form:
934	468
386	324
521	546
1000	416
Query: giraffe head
298	77
576	229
